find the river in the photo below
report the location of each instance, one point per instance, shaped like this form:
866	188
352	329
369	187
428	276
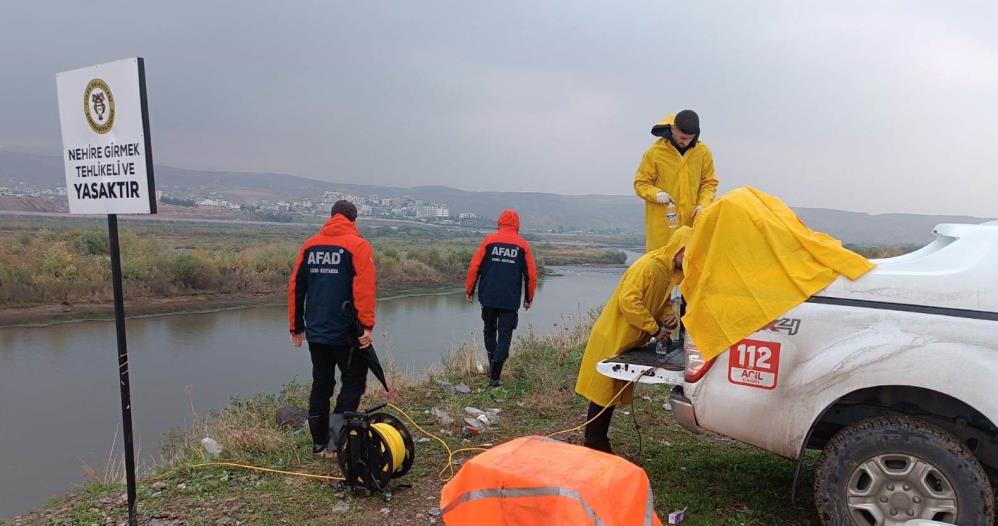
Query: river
59	396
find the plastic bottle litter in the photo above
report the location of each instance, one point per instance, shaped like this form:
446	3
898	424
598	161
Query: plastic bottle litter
672	215
461	388
677	305
473	411
442	416
469	430
448	388
211	447
477	424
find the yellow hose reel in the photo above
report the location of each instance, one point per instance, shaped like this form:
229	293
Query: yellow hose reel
373	448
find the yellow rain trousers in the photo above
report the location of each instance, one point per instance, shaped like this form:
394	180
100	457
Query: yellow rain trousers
689	179
630	318
749	261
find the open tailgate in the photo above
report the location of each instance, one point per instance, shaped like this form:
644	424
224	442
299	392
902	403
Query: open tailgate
654	368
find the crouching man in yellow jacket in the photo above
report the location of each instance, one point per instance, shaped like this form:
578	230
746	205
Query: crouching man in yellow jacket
677	168
639	309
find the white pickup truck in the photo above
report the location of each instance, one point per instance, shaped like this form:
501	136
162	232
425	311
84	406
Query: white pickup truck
893	376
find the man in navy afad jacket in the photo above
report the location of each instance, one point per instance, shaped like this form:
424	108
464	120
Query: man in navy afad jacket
501	267
333	266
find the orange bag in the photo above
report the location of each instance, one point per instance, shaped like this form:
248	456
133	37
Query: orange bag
541	481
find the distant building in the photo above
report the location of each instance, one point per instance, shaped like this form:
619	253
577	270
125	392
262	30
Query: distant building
304	204
467	215
432	212
211	203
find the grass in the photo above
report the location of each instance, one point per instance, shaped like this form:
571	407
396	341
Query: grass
68	263
718	481
573	255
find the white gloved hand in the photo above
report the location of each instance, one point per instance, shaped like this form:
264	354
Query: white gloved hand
663	198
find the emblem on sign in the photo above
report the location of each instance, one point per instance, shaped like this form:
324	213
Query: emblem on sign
98	106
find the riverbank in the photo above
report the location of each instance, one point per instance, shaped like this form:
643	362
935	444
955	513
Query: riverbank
46	315
719	482
52	273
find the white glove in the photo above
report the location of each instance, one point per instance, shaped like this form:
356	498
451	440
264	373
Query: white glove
663	198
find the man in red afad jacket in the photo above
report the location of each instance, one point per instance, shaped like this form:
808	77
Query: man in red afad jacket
334	266
501	267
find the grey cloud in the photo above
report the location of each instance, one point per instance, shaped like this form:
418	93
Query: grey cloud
882	109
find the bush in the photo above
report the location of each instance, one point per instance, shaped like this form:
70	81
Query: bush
192	272
91	244
58	263
179	201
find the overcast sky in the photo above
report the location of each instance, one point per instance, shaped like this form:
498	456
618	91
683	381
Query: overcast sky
867	106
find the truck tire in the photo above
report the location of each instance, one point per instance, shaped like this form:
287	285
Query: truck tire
888	470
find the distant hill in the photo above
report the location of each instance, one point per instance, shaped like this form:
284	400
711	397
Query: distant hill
540	211
878	230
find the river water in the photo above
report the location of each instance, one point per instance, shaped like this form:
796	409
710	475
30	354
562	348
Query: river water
59	397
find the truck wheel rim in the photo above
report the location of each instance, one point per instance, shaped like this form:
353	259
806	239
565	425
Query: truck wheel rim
891	489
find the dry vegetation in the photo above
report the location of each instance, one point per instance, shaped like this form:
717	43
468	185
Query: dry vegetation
57	263
555	255
883	252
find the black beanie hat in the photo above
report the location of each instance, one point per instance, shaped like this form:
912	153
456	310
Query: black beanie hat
346	208
688	122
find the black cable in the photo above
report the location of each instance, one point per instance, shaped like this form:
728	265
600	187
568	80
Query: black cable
634	418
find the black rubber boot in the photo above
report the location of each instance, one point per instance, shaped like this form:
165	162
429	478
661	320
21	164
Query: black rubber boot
597	431
335	427
495	372
318	426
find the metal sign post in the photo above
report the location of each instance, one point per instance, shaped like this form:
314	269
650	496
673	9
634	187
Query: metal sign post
126	392
108	157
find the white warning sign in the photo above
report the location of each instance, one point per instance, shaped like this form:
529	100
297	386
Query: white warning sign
104	117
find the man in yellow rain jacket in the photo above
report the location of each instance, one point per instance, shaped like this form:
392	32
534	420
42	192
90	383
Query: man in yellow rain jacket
677	168
639	309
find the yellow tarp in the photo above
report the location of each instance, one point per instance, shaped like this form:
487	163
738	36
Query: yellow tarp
750	260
